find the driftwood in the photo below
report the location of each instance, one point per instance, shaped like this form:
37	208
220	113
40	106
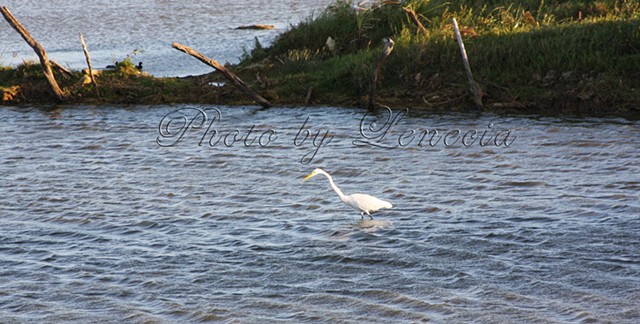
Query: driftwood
414	18
237	82
473	85
91	76
256	27
8	94
42	54
386	51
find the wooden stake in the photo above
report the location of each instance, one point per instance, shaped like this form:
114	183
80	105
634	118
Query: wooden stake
386	51
237	82
86	55
473	85
42	54
309	97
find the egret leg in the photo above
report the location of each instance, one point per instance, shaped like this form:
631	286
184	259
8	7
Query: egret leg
370	217
362	215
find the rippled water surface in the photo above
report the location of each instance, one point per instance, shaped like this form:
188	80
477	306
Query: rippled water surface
100	223
114	29
106	216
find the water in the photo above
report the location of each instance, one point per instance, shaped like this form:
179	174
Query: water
100	223
104	220
115	29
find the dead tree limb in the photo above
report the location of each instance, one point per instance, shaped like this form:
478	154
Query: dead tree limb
237	82
473	85
386	51
63	70
42	54
91	76
414	18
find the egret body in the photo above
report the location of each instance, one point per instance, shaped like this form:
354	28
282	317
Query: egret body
365	204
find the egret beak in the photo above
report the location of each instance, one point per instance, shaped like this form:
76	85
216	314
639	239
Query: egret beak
309	176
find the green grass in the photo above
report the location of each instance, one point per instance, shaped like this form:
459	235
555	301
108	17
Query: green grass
544	54
512	47
124	84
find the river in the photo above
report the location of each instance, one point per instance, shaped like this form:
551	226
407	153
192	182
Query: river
144	30
113	213
189	213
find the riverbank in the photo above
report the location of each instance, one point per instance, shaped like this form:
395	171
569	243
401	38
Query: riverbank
554	57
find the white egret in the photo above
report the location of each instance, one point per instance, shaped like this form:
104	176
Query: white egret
362	202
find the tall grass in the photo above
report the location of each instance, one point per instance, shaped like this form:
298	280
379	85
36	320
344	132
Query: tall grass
509	43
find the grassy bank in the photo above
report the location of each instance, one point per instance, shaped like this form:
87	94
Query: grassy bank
124	84
528	55
532	56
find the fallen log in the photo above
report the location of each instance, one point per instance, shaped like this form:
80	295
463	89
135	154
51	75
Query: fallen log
42	54
91	75
386	51
256	27
473	85
237	82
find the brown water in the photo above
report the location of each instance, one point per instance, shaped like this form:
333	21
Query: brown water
101	223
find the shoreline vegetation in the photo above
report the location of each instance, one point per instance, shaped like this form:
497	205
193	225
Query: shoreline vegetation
528	56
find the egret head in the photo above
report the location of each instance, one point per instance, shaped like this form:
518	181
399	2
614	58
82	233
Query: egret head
314	172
